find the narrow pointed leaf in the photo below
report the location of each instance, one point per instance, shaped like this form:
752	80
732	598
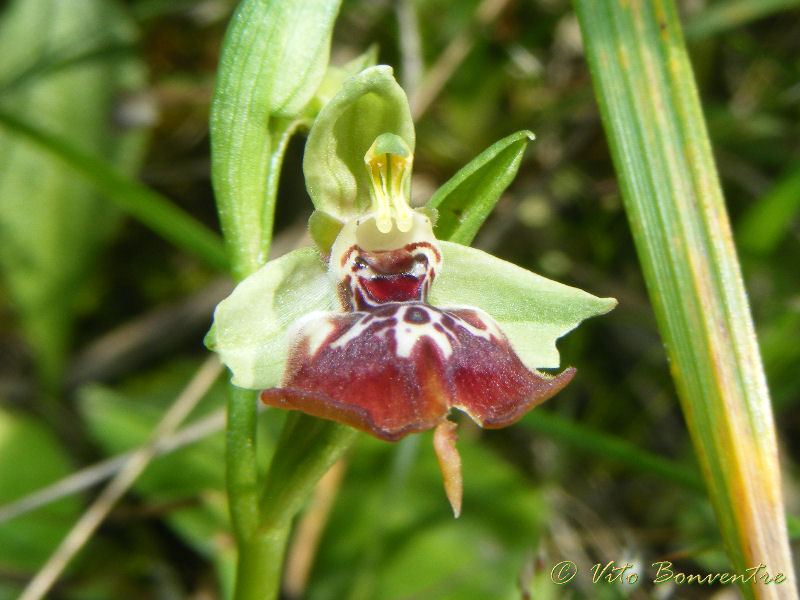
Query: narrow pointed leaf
466	200
532	311
658	139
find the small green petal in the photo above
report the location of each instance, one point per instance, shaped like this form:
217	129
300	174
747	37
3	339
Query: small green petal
250	325
532	311
323	229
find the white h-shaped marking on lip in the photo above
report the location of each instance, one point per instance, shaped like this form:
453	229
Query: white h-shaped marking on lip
408	333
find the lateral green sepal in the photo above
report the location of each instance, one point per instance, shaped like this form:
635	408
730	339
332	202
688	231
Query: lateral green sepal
532	311
250	326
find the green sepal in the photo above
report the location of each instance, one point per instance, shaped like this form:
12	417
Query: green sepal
367	105
532	311
469	196
250	325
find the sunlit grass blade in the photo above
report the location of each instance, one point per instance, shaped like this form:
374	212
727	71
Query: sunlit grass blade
652	117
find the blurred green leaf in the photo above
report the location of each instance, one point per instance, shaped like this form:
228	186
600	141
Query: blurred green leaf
761	228
139	201
405	526
190	480
31	458
611	447
52	225
466	200
274	57
725	15
367	105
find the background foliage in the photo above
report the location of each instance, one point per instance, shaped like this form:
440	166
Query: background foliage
602	472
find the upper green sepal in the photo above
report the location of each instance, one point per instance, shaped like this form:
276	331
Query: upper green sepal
367	105
532	311
250	325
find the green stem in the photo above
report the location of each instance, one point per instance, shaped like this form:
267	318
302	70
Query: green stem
307	448
139	201
258	569
240	463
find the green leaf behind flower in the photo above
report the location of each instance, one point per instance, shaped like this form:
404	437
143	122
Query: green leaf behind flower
469	196
32	458
368	104
532	310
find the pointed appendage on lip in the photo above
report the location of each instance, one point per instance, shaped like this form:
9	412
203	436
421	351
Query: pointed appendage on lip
444	444
400	368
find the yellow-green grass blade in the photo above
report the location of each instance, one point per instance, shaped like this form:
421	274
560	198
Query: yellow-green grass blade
658	139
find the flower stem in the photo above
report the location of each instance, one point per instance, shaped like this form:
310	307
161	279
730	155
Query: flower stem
258	569
240	457
307	448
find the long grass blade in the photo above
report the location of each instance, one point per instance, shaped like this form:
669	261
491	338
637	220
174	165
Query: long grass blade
655	127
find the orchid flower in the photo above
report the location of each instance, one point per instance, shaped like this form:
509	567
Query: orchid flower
384	327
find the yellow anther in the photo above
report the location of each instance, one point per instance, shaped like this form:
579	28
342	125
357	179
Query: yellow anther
388	163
